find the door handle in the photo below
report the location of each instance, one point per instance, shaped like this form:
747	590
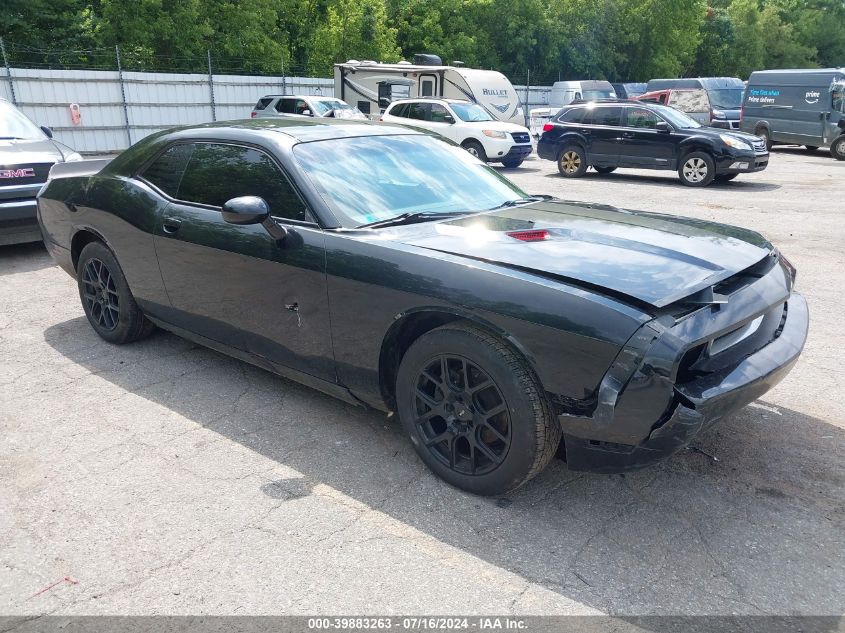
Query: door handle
628	134
171	225
584	131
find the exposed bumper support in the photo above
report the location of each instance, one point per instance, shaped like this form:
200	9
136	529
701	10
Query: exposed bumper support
699	404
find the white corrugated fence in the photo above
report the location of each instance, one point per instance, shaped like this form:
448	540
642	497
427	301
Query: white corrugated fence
117	109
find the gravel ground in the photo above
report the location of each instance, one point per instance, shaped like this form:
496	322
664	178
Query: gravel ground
164	478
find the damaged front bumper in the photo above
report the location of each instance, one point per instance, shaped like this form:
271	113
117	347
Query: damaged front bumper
621	434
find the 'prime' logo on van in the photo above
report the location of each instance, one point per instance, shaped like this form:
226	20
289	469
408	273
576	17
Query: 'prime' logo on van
488	92
812	96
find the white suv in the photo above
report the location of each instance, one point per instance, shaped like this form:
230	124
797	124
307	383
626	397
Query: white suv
468	124
304	105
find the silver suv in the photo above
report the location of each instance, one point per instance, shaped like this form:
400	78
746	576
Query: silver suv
27	153
304	105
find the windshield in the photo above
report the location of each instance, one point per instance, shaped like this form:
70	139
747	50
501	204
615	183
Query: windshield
592	95
471	112
677	118
372	178
324	106
13	124
727	99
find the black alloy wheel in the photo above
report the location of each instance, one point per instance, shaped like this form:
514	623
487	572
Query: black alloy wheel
108	303
461	415
100	294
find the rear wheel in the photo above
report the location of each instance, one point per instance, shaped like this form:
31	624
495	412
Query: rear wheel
106	299
837	148
725	177
572	161
697	169
605	170
474	410
476	149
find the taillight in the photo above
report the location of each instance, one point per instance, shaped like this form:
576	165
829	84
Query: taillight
253	115
530	236
548	127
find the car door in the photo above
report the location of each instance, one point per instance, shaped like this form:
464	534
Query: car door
235	285
600	127
642	145
442	121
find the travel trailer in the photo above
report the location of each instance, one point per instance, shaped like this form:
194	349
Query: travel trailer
372	86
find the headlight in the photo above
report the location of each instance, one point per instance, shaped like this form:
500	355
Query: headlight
495	134
718	114
73	156
787	265
735	142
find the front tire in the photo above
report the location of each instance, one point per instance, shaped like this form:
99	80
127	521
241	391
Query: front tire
763	134
572	161
512	164
106	299
474	410
837	148
697	169
476	149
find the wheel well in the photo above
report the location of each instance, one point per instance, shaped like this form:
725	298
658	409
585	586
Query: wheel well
761	126
399	338
571	143
80	240
469	140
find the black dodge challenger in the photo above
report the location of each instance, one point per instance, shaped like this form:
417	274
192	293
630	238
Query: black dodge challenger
390	268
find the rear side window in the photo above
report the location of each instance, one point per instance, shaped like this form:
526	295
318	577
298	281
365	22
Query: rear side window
399	110
216	173
166	171
263	103
419	111
571	116
602	116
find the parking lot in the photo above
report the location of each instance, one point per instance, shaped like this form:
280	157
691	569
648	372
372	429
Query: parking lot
162	477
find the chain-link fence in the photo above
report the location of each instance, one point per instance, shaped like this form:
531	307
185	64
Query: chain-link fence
103	100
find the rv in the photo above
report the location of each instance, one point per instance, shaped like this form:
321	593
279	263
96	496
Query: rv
372	86
804	107
724	93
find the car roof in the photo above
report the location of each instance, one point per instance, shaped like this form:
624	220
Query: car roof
301	97
300	129
415	99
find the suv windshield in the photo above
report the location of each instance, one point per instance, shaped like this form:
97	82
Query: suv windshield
471	112
13	124
372	178
324	106
675	117
726	99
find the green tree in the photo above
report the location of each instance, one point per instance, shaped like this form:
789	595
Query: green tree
718	40
353	28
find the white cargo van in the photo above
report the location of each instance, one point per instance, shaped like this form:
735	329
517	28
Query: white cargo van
565	92
372	86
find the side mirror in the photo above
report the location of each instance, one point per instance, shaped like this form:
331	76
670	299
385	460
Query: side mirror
330	113
449	119
306	112
245	210
662	126
47	131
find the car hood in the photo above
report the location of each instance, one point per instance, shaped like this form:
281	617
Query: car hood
18	151
651	258
716	132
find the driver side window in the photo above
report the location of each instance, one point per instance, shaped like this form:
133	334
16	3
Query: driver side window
212	173
641	118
